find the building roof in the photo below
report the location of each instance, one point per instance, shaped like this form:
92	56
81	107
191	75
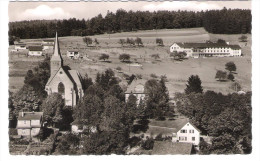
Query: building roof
47	44
73	50
184	123
168	147
35	48
48	40
76	77
207	45
20	44
56	53
236	47
73	75
30	115
132	87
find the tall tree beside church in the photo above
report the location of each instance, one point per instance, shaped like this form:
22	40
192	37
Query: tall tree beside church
52	107
88	111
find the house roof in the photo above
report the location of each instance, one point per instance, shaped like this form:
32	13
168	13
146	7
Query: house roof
21	44
131	88
184	123
73	50
47	44
35	48
168	147
48	40
30	115
207	45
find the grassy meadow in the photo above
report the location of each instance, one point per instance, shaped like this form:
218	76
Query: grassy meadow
177	72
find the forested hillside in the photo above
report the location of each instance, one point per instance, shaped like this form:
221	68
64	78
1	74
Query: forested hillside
225	21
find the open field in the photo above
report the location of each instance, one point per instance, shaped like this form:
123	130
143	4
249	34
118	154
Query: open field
176	72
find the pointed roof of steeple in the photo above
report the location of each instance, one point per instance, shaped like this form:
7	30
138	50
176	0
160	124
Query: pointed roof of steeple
56	55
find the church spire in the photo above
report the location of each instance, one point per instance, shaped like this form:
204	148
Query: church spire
56	47
56	59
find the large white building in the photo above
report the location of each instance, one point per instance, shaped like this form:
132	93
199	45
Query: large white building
206	49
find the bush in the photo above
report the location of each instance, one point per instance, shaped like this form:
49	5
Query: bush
118	68
148	144
153	75
230	77
139	76
134	141
159	137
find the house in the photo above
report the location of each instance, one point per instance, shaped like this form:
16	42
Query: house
210	49
29	123
47	44
168	147
35	51
19	46
63	80
73	54
77	128
137	89
187	133
48	41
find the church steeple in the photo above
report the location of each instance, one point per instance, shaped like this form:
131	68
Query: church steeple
56	59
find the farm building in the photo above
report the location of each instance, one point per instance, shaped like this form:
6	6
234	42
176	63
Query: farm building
137	89
19	46
64	81
206	49
29	123
35	51
188	133
73	54
47	44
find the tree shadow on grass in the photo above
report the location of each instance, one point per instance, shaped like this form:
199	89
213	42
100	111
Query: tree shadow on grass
222	80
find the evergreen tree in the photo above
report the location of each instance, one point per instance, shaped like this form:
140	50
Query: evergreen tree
194	85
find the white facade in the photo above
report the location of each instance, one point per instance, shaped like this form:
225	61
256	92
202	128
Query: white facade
218	51
76	129
188	134
35	53
136	88
47	47
73	54
20	46
29	123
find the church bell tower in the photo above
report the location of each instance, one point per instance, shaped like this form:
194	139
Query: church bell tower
56	59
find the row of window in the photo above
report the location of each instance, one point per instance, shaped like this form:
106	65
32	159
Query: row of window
184	138
207	51
185	131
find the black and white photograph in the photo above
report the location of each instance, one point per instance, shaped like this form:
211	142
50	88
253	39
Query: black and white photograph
129	78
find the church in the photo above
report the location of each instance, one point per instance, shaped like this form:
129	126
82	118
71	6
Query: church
63	80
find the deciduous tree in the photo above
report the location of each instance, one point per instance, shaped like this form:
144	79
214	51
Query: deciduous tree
231	66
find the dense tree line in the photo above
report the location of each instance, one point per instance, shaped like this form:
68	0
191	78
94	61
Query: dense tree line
227	118
225	21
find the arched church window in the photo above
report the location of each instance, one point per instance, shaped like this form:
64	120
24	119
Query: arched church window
61	89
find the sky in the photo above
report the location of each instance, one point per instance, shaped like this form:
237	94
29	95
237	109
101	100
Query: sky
19	11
